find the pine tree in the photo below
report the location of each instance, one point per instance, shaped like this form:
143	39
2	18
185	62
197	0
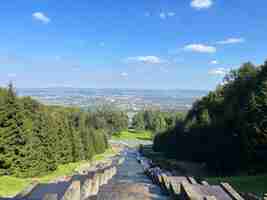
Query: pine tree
13	136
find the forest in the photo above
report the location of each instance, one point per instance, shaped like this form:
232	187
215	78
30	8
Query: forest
35	139
155	120
227	129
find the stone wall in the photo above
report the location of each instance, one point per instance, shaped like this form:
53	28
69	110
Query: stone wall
87	184
73	192
186	188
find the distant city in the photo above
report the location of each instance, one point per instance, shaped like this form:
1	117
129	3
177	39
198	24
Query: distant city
124	99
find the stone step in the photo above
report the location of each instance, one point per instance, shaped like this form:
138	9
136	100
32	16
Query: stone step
175	184
192	180
197	191
50	197
230	190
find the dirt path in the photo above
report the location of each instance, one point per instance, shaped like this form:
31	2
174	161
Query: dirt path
130	183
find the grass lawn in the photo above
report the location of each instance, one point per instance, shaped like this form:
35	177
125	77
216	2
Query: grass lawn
254	184
10	186
108	153
132	134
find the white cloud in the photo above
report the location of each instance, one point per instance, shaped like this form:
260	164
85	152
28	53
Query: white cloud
171	14
124	74
162	15
146	59
214	62
58	57
219	71
102	44
231	41
12	75
201	4
41	17
200	48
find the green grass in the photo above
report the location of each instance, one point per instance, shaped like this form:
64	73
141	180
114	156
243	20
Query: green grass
70	168
10	186
132	135
254	184
62	170
108	153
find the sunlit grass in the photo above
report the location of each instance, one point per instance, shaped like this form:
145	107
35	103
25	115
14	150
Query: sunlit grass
62	170
10	186
132	134
70	168
108	153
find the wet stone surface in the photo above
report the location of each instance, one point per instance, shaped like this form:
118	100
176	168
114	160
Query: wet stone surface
130	183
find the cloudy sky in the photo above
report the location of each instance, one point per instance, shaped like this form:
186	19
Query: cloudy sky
188	44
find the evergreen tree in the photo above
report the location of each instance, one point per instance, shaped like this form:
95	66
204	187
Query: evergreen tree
13	135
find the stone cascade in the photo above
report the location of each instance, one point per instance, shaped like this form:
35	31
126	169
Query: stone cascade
81	186
83	190
130	183
187	188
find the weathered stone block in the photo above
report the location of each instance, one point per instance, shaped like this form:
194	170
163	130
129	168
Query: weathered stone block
95	184
166	182
114	171
210	198
187	192
50	197
121	160
175	188
231	191
73	192
105	177
102	179
160	181
110	173
204	183
191	180
86	189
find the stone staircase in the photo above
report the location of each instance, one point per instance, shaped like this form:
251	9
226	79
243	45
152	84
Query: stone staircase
130	183
81	186
133	181
187	188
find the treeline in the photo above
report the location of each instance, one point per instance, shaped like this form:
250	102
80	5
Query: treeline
156	121
35	139
227	129
109	119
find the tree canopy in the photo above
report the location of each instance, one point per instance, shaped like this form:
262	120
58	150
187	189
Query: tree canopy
227	129
155	121
35	139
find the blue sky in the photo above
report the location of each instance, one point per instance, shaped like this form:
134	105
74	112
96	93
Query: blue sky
187	44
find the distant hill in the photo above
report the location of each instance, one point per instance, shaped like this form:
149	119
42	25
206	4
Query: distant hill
126	99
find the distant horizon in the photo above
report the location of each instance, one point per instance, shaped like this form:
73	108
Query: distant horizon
103	88
17	86
111	88
126	98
